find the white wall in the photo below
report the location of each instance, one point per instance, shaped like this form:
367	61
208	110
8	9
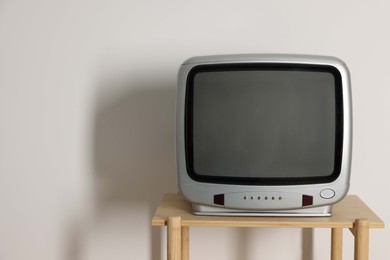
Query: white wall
87	97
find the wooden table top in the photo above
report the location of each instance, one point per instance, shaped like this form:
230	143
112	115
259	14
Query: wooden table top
344	214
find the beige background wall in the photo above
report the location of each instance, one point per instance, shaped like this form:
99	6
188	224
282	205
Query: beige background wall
87	103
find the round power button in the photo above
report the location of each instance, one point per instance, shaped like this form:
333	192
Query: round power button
327	193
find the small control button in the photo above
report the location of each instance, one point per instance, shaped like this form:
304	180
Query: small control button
327	194
307	200
219	199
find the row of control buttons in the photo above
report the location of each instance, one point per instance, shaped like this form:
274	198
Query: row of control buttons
307	200
259	198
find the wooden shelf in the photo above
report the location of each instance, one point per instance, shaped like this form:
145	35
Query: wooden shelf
352	213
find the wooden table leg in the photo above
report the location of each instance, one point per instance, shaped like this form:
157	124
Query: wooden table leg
337	244
361	232
185	241
174	238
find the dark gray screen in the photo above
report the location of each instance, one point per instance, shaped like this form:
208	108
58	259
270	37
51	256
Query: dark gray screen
263	124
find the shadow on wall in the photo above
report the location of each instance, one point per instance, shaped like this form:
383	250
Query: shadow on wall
134	148
244	242
134	145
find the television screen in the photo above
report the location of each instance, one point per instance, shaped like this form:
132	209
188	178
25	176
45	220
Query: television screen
269	124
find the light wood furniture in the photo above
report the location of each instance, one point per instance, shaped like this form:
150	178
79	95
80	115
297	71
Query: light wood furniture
175	213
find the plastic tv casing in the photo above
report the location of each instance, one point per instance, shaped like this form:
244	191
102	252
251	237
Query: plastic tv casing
263	200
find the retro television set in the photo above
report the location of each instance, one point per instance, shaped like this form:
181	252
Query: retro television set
264	134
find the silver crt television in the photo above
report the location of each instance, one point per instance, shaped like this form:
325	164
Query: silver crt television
263	134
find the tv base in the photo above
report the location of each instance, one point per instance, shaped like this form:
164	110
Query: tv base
323	211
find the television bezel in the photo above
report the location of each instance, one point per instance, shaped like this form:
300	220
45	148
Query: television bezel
263	67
